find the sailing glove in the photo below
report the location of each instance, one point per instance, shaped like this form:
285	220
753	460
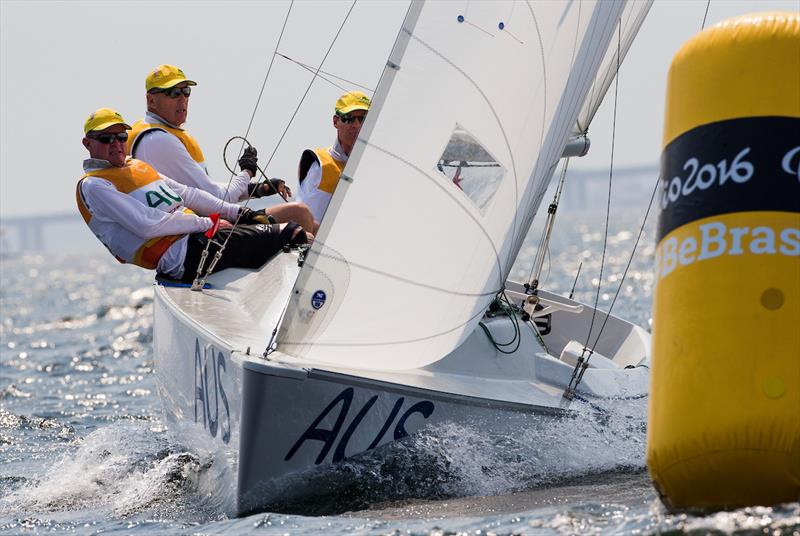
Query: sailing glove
275	186
251	217
249	160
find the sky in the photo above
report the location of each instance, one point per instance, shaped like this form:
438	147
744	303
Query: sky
59	61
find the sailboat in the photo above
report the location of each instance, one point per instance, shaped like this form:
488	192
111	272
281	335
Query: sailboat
400	316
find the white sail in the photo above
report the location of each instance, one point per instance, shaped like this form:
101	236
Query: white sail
629	23
483	94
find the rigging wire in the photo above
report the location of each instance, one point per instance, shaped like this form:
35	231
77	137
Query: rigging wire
542	249
200	280
258	100
575	282
630	260
570	392
582	364
708	4
309	68
311	83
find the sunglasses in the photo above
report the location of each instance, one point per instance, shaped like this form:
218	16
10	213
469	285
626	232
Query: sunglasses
108	138
351	118
175	92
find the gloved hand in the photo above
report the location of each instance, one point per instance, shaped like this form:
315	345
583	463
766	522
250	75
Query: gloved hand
262	189
279	185
249	160
250	217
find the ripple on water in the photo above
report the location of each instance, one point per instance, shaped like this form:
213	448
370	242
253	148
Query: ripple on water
84	449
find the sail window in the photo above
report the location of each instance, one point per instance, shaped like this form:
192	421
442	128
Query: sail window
470	168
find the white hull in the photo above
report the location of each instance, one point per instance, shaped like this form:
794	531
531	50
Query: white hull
276	420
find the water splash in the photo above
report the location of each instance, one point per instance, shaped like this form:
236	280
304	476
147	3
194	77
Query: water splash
455	460
123	469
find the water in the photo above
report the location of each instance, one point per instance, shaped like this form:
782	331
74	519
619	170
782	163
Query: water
84	448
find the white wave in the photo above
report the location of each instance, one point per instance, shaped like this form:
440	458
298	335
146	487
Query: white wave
123	469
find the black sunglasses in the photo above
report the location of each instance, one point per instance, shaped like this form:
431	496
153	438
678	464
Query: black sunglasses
174	92
350	118
107	137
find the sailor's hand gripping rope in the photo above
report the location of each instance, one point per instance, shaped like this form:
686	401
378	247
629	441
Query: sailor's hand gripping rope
248	157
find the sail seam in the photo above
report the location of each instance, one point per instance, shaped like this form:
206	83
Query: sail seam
499	126
389	343
439	185
397	277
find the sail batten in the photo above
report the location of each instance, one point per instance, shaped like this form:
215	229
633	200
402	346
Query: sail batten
470	118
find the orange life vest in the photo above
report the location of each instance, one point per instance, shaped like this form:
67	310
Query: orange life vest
331	170
140	127
139	180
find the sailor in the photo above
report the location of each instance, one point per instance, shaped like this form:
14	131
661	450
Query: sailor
150	220
320	168
161	141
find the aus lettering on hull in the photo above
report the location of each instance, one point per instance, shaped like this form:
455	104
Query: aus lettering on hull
211	406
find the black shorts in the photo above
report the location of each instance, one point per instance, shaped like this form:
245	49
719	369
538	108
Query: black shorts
249	246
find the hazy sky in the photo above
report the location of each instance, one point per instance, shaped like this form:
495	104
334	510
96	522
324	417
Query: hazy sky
61	60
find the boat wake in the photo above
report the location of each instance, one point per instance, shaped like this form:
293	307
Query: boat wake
457	461
134	469
124	469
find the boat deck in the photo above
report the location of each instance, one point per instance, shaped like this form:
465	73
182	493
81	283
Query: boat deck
243	307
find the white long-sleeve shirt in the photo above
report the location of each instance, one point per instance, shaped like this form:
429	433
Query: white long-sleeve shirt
309	192
167	154
116	214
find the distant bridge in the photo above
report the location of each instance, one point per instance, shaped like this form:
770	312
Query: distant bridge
66	231
37	233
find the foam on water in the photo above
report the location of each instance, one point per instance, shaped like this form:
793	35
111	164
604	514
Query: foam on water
83	448
123	469
452	460
557	450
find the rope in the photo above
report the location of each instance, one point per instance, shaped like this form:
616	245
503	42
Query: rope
505	306
263	174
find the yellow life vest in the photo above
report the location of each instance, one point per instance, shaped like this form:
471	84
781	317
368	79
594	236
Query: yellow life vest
331	170
133	179
188	141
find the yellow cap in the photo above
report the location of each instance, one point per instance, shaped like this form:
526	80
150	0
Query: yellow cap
166	76
352	100
102	118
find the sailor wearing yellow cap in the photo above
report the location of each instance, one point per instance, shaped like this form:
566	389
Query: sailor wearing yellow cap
160	140
150	220
320	168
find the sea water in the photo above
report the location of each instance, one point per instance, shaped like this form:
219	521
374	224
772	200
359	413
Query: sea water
84	448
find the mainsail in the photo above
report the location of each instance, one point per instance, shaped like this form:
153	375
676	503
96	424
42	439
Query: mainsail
409	255
630	21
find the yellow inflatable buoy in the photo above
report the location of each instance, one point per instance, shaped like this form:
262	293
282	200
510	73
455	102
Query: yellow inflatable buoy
724	423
